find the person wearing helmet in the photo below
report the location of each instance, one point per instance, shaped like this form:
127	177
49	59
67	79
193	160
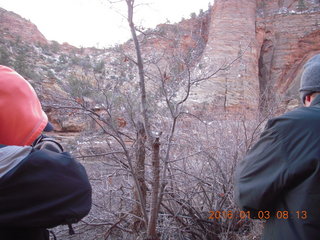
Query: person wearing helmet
41	186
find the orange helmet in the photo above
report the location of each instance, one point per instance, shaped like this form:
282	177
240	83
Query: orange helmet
21	116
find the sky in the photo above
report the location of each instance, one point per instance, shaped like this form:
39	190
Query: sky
97	23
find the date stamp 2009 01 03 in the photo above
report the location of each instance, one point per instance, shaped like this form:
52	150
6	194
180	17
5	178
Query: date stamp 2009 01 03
263	215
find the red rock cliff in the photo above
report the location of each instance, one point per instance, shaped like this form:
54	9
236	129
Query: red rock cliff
12	26
232	37
267	42
274	39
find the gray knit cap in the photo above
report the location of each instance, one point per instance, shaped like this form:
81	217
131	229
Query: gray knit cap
310	79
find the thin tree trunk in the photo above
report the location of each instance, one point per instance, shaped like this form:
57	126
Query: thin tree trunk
153	143
154	212
144	108
139	171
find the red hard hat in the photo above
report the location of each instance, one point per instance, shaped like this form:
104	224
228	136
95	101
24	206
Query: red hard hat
21	116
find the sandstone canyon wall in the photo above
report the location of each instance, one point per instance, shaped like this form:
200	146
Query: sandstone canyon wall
260	46
268	40
232	37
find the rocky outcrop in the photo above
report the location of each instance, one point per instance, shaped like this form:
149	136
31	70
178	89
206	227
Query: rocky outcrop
232	43
14	27
273	39
288	41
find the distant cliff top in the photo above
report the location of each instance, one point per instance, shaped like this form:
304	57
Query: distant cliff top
13	26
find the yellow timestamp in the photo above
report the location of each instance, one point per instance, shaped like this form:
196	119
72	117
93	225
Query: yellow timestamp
263	215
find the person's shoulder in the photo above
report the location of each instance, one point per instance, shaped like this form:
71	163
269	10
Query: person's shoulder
45	157
287	118
298	117
299	113
302	113
295	114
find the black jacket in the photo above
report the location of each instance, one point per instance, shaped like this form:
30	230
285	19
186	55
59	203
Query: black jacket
43	190
281	175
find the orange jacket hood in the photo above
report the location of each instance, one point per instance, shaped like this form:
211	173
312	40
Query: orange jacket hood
21	116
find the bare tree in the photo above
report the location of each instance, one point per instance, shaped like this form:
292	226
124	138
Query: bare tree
159	170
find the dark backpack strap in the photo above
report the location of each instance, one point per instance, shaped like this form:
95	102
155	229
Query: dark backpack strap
44	142
71	230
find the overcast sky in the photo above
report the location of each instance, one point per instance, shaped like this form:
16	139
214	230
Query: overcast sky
96	22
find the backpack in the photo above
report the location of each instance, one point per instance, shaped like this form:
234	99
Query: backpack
46	189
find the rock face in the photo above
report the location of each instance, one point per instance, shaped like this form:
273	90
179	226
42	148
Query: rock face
269	41
289	40
13	26
232	43
248	50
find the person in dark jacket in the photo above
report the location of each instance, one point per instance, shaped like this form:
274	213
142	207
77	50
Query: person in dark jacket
279	179
41	186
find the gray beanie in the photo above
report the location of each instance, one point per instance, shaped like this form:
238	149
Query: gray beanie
310	79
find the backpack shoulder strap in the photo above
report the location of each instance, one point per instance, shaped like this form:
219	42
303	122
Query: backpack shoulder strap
44	142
